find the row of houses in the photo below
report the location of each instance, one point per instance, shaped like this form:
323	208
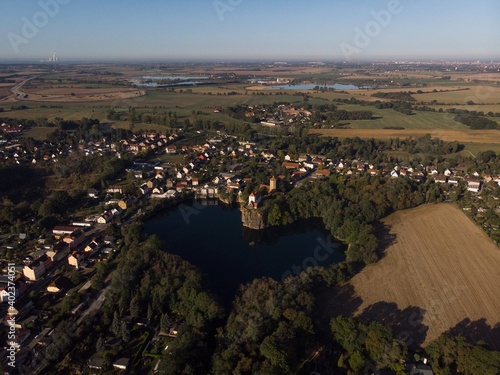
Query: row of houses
147	141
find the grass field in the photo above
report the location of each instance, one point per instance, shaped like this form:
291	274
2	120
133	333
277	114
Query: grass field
39	132
440	262
477	94
390	117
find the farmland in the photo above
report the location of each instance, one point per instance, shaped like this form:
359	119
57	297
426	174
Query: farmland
75	91
438	265
466	136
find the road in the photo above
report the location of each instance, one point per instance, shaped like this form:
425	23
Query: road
21	95
97	304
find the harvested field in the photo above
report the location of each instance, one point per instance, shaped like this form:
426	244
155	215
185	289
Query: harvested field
466	136
438	266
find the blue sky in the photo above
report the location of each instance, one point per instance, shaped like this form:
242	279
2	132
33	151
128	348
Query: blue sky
249	29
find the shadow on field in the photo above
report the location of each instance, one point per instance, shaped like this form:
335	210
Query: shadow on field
477	332
406	324
340	300
385	238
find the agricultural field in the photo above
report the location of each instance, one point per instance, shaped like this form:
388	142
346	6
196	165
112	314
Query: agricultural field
438	266
463	136
390	118
477	94
73	92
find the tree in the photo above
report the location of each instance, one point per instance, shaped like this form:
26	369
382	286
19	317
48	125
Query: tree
274	216
135	308
99	345
116	324
125	331
356	361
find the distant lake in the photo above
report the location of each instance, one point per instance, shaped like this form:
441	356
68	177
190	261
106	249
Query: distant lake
212	238
167	81
310	86
172	78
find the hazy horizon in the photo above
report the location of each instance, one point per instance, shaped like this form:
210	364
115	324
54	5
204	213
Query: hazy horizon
244	30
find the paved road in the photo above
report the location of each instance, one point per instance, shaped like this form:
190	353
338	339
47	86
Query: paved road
97	304
21	95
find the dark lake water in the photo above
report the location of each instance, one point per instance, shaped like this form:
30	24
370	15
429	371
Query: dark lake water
212	238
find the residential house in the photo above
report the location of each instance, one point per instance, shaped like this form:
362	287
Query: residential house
94	245
121	364
152	183
59	284
115	189
440	179
290	165
172	149
322	173
96	363
76	259
64	230
58	251
158	190
36	269
93	193
74	239
473	185
394	173
127	202
105	218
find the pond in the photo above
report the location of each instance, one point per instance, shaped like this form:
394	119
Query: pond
211	237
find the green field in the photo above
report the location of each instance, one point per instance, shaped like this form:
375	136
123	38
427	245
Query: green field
389	117
39	132
187	102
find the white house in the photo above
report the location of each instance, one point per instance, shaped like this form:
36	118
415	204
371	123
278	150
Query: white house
254	200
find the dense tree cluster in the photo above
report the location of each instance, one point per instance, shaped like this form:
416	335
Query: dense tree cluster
454	355
348	207
401	96
269	329
476	122
399	106
151	282
367	347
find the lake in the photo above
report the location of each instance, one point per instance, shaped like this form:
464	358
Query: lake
310	86
172	78
212	238
166	81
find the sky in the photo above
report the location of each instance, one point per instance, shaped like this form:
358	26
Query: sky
106	30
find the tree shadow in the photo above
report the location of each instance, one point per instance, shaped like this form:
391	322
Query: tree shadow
335	301
385	238
407	324
477	332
